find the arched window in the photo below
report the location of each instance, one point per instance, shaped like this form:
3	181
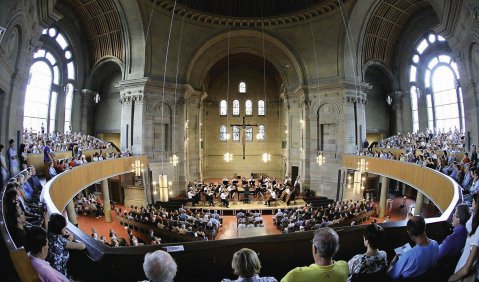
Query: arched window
261	131
261	108
223	108
242	87
236	133
236	108
249	133
68	107
434	73
52	74
249	108
223	132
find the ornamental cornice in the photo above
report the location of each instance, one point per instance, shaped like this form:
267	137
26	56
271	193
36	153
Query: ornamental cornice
131	97
299	17
358	100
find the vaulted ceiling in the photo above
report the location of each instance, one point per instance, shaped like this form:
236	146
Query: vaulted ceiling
102	24
385	26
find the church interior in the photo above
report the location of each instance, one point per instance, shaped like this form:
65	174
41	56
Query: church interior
188	125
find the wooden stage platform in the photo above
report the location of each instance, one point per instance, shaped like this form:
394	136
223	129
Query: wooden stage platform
235	206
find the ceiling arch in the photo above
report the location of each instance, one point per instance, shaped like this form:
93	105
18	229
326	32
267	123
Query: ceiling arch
102	24
384	28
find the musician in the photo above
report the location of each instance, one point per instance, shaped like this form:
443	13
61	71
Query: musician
285	194
272	197
246	194
225	181
292	196
224	198
192	196
244	182
287	181
235	182
274	182
251	181
209	195
232	190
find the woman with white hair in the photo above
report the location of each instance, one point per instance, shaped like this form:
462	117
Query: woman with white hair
159	266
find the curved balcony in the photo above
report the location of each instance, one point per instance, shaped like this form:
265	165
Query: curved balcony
211	260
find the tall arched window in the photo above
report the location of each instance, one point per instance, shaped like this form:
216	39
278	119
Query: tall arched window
51	74
261	108
236	108
242	87
434	73
248	108
223	132
261	131
236	133
249	133
223	108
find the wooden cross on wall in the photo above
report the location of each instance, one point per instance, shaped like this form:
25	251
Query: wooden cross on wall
242	127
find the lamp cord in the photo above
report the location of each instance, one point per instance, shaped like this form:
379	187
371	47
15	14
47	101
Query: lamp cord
164	79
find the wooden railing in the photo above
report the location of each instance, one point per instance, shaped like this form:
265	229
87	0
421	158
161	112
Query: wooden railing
36	160
211	260
439	188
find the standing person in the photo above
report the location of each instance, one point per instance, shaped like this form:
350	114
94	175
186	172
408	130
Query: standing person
22	156
3	166
12	156
48	157
474	156
325	246
418	260
58	253
374	260
246	265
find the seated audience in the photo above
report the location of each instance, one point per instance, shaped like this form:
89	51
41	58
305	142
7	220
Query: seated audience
373	260
246	265
37	244
418	260
466	265
324	268
159	266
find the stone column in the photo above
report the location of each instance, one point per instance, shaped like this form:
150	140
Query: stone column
106	200
419	201
87	106
308	149
132	114
193	120
72	215
383	196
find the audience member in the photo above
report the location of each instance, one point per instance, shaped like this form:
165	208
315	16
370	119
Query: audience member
246	265
468	260
452	246
59	242
373	260
12	156
37	244
418	260
159	266
325	246
3	167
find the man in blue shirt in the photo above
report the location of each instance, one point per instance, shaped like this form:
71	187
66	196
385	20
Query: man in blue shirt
418	260
452	246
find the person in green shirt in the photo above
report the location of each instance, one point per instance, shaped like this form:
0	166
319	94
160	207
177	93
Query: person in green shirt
325	246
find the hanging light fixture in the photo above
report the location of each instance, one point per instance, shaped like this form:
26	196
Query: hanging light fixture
228	157
174	157
163	179
362	166
389	100
320	159
97	98
266	157
137	167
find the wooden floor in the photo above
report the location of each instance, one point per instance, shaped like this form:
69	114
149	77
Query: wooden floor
229	229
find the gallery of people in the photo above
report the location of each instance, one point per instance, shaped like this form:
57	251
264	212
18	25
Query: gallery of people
239	140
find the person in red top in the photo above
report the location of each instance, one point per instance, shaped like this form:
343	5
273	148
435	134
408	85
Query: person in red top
466	159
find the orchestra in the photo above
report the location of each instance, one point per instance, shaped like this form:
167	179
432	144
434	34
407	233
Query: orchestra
264	188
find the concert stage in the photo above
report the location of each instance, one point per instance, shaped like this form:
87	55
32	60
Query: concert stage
235	206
